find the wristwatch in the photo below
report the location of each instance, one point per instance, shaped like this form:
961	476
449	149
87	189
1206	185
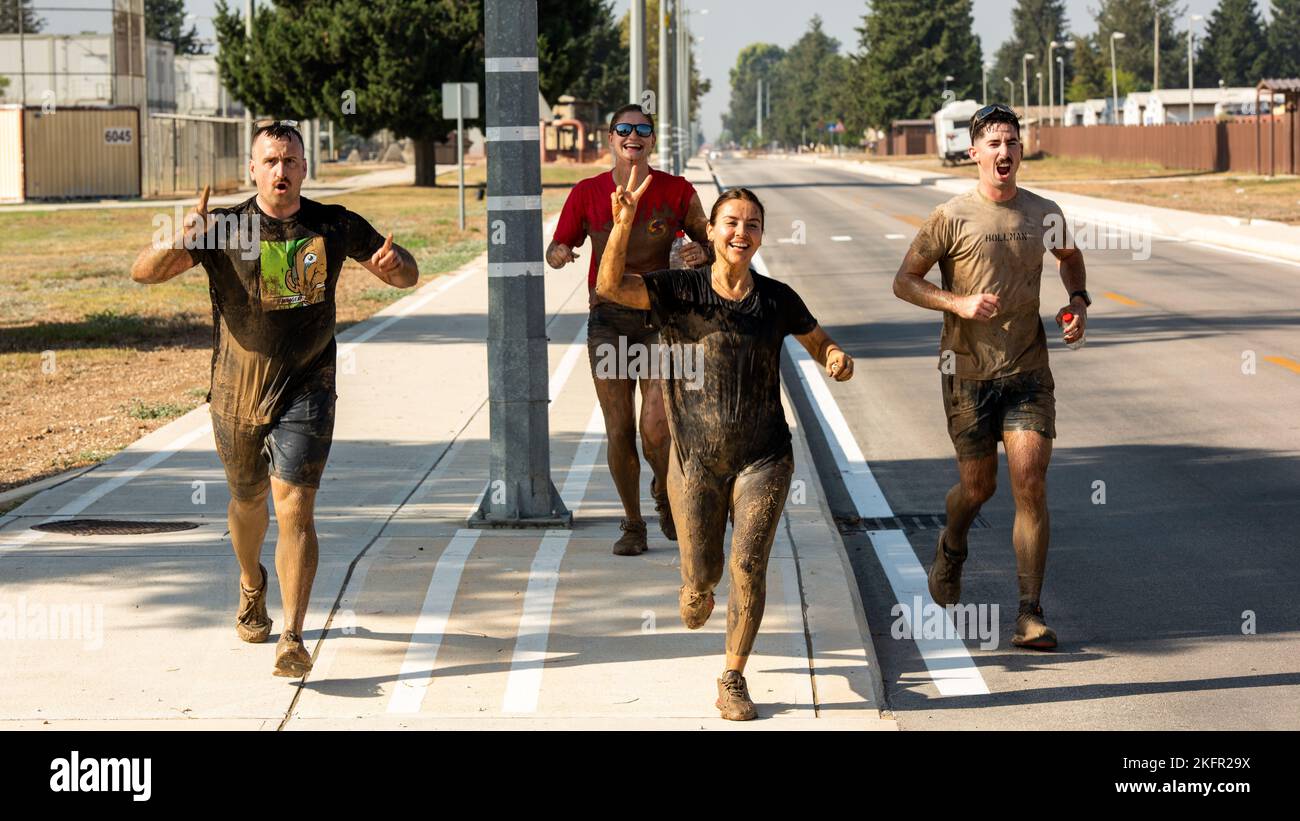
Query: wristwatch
1087	300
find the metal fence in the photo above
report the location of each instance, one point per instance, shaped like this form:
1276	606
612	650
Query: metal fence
188	152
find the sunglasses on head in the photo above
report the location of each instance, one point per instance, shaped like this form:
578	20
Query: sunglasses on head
266	123
989	111
641	129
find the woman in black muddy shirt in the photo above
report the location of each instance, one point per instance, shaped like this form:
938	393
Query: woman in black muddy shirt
730	443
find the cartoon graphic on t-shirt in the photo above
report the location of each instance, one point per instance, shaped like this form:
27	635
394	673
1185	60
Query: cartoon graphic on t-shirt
294	273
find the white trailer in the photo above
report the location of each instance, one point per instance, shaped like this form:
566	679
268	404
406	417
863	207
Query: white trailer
952	130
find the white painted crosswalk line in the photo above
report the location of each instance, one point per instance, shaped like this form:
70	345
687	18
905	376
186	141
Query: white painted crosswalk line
524	683
422	653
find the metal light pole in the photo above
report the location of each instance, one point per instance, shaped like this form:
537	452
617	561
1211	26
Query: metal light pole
1191	59
1060	61
984	84
682	90
758	107
1039	75
519	491
636	51
664	102
1114	78
248	112
947	78
1024	64
1051	92
1012	87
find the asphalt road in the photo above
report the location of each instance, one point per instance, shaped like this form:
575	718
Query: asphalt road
1153	592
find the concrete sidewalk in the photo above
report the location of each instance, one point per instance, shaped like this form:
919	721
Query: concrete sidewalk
1263	237
415	621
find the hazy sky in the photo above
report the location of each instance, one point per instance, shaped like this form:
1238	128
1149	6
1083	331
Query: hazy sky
729	26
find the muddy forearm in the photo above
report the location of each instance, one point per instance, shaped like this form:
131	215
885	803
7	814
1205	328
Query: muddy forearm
159	264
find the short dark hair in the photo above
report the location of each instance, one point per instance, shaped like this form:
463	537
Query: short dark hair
278	131
996	113
627	109
737	194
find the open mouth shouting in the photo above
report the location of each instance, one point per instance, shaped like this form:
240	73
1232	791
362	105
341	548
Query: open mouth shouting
281	187
1002	169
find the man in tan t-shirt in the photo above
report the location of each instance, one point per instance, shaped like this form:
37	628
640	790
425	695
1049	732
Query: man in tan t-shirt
996	382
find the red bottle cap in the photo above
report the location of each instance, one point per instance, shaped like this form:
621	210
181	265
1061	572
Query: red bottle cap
681	233
1067	317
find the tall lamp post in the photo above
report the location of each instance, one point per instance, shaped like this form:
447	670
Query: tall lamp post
1012	88
984	83
1024	78
1191	83
1114	78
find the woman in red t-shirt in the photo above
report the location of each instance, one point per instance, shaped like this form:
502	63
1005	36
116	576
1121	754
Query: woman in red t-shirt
622	345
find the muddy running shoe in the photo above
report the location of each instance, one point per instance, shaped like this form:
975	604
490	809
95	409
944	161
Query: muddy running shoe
733	698
632	542
945	574
695	607
291	658
666	523
252	623
1031	630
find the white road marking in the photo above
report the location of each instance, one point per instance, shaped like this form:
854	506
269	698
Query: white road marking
895	236
422	653
841	238
524	683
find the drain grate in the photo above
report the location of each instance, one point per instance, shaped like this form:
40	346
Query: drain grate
901	521
111	527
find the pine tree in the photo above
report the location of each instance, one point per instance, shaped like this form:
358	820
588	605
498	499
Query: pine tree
9	17
165	20
1091	73
799	100
755	60
1034	25
1284	40
1135	53
1234	49
906	49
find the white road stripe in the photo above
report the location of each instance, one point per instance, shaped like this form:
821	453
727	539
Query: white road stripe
524	684
422	653
841	238
895	236
346	618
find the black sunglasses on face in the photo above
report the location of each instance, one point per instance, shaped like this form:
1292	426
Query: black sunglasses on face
641	129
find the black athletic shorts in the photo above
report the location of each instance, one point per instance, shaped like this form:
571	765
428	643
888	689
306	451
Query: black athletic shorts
293	447
607	322
979	410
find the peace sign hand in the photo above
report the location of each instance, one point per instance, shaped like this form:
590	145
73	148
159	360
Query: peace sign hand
624	200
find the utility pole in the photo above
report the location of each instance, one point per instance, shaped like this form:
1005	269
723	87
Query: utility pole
664	101
1155	82
636	41
248	111
759	109
519	491
683	85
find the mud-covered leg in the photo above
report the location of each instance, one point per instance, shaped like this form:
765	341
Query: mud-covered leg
699	501
758	497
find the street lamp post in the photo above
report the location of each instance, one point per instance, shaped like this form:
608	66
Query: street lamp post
1114	78
1012	86
947	78
636	51
1024	77
1155	72
1191	84
664	110
1060	61
1051	92
984	83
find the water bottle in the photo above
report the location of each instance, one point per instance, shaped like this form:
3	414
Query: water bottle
675	260
1066	319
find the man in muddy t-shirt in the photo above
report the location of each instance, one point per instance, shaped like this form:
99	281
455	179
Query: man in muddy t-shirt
997	386
273	264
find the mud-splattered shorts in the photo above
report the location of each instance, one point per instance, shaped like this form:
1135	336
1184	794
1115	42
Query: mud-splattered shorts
979	410
293	447
606	323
